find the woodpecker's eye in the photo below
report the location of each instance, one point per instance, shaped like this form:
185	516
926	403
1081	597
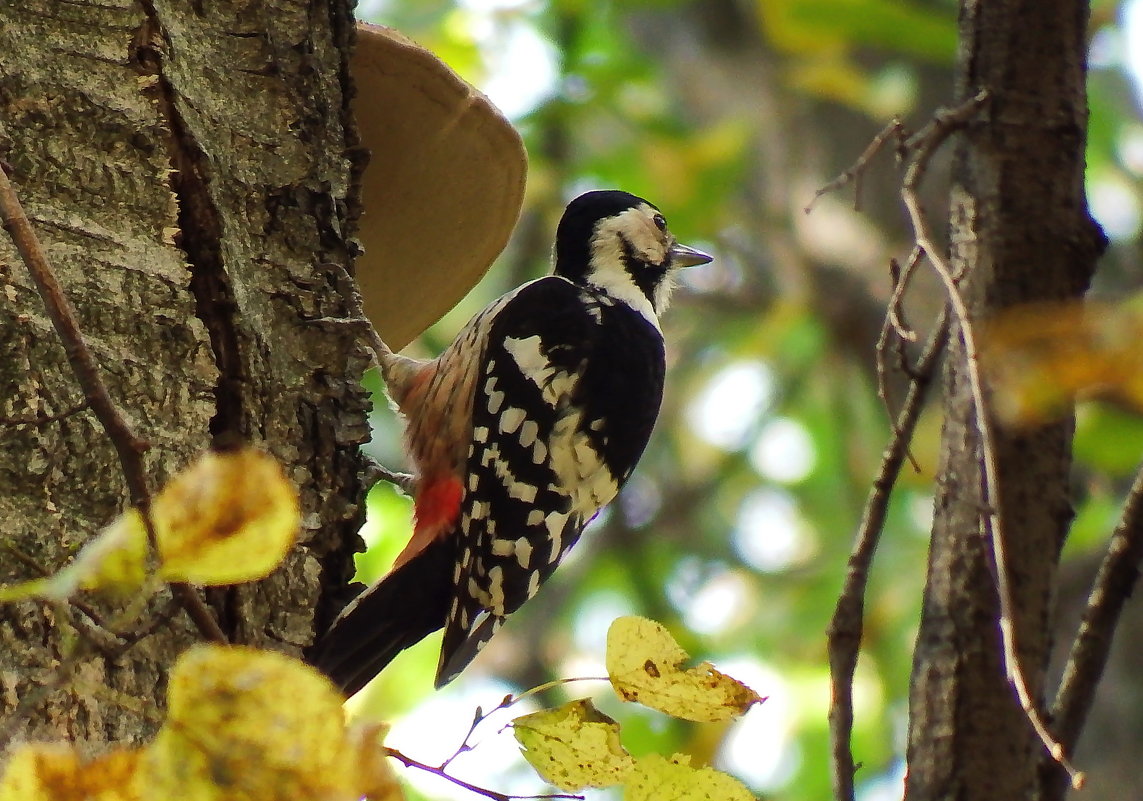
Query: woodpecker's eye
661	222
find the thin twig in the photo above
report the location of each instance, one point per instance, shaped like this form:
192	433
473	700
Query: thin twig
893	325
922	145
478	717
857	169
45	420
1117	576
493	794
895	314
845	628
129	446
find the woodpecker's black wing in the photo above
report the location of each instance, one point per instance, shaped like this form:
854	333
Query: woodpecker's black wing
569	389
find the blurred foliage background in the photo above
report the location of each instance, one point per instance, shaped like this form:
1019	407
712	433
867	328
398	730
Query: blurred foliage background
736	527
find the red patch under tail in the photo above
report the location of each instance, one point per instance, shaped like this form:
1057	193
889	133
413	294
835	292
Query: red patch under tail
437	510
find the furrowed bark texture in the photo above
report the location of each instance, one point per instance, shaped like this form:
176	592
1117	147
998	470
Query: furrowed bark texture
1020	231
187	166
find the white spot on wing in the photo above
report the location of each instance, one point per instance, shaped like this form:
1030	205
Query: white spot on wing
521	491
555	523
528	433
553	383
495	401
511	419
496	590
523	552
475	592
539	452
526	353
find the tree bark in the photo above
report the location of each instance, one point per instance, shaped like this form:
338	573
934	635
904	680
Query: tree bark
188	167
1020	231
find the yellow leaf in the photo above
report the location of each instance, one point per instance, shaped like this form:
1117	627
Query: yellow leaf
230	517
645	663
227	518
1039	359
55	772
250	724
655	778
114	560
573	746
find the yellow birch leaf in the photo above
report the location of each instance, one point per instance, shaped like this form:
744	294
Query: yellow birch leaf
249	724
645	664
1039	359
656	778
573	746
230	517
115	560
55	772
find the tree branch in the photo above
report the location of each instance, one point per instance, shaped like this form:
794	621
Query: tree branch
1117	576
128	446
921	146
846	625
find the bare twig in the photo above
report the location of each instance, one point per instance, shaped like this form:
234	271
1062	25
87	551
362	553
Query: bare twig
355	311
1117	576
478	717
895	315
129	446
45	420
894	325
921	146
493	794
854	173
845	629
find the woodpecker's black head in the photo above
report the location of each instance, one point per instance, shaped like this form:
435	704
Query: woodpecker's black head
620	244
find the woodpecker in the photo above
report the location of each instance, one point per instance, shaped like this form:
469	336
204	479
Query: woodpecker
520	432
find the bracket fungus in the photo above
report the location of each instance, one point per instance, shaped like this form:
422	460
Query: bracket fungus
443	188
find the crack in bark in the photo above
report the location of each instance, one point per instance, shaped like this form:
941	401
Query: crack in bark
200	236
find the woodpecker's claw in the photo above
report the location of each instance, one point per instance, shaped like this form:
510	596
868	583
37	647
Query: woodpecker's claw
405	482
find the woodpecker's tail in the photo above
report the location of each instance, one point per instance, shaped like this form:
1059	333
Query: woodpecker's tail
401	610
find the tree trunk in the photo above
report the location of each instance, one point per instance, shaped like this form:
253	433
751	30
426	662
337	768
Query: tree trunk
187	167
1020	231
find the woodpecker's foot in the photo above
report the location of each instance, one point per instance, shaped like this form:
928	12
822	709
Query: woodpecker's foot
340	322
355	311
406	483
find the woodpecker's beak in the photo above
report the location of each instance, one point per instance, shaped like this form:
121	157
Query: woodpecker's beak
683	256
